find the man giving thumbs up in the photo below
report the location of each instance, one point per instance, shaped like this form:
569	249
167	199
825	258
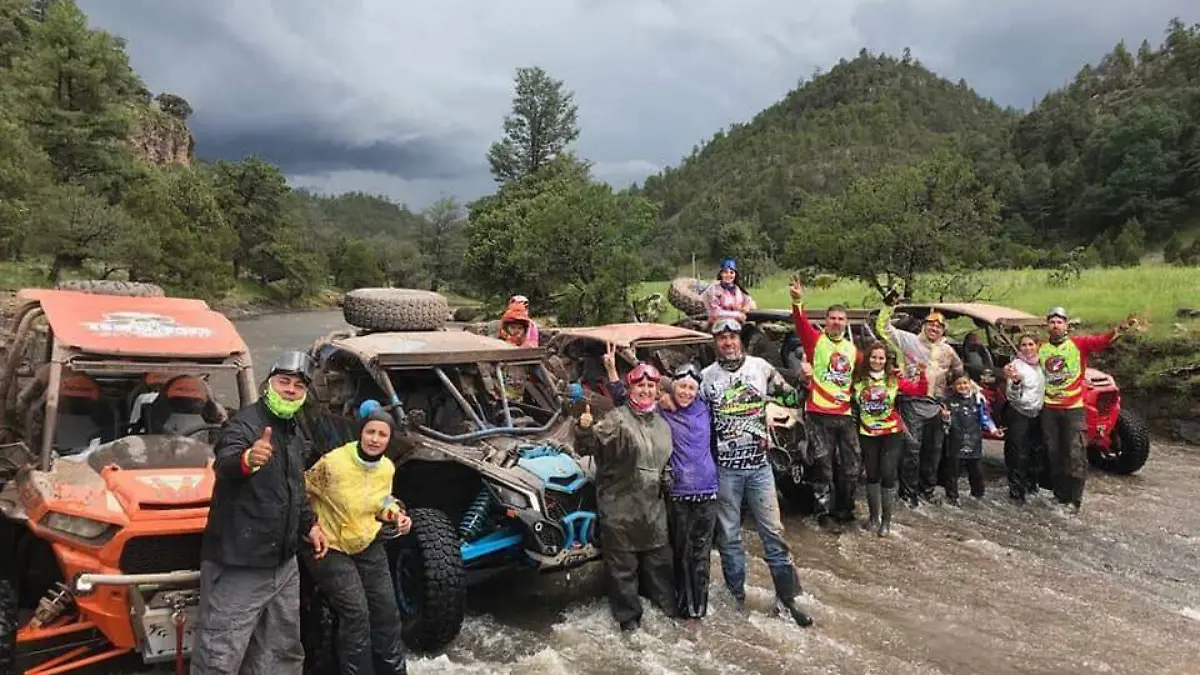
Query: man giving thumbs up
249	580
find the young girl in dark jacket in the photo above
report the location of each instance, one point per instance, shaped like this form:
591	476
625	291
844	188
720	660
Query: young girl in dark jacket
877	382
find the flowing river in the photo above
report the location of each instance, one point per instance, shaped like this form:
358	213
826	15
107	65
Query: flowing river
988	588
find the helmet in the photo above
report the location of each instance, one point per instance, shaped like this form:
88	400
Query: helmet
367	407
729	264
293	363
726	326
643	371
1060	312
688	369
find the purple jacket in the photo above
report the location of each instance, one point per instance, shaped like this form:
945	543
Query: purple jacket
693	467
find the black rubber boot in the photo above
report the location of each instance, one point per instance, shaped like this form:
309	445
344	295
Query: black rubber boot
786	587
874	496
630	625
887	500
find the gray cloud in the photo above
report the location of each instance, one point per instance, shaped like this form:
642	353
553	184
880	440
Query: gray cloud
404	98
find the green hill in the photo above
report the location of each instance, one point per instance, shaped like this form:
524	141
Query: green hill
1110	161
862	116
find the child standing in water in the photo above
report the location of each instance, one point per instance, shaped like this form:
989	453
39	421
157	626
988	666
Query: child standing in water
966	415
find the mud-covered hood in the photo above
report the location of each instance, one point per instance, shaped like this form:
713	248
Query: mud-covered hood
132	477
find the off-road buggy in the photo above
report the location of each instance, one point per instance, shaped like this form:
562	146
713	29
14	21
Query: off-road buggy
484	463
108	412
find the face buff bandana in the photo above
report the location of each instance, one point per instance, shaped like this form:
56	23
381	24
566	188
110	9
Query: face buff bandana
281	407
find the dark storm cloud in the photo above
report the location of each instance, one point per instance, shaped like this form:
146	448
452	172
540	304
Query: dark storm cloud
299	151
405	97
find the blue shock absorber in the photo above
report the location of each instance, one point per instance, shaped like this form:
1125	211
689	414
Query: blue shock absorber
475	520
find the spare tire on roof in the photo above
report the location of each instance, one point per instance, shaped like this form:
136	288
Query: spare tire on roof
130	289
685	295
395	309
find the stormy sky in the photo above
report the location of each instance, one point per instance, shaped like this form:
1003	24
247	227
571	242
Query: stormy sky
402	98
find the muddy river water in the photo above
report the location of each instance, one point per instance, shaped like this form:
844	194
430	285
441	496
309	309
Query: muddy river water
987	588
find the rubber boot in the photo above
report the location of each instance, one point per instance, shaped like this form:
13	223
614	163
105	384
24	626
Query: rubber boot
786	587
887	499
873	499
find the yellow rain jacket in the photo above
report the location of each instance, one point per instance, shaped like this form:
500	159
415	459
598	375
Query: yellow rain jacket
348	495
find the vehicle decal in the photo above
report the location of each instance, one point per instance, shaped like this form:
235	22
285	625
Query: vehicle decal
145	325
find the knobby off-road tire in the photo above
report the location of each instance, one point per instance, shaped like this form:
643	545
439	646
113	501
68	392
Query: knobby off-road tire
395	309
430	581
684	294
1132	437
8	626
129	289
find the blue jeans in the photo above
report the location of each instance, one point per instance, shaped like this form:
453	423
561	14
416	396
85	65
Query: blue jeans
754	488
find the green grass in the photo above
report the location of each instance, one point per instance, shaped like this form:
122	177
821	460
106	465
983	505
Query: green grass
1099	297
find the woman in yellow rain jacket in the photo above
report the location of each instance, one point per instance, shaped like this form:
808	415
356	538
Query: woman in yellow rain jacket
350	489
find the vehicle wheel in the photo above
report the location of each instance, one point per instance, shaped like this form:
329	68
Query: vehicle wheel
8	626
430	582
318	628
131	289
1130	446
684	295
395	309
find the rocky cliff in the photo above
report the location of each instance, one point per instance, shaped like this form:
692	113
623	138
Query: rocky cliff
160	138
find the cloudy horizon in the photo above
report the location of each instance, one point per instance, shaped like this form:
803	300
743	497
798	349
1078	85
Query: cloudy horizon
404	100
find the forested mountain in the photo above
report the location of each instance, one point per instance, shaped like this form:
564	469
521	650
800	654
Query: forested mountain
1120	144
95	170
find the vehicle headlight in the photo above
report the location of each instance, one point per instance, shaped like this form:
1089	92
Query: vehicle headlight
92	531
508	496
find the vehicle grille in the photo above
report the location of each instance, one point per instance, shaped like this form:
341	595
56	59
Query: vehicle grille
560	504
166	553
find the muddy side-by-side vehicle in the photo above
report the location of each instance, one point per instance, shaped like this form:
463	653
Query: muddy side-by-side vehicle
109	413
1118	438
485	464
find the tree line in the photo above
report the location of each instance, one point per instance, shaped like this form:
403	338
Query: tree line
878	169
96	170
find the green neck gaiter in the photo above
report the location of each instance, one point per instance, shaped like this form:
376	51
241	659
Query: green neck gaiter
281	407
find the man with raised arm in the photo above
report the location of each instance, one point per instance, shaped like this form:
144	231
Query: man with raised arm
924	434
830	359
1064	360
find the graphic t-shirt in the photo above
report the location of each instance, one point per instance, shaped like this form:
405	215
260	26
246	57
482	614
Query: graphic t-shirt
739	400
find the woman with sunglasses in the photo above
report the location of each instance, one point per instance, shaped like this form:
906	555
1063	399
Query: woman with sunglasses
632	446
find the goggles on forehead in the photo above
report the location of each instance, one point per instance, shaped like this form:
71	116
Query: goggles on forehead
687	370
936	317
726	326
642	372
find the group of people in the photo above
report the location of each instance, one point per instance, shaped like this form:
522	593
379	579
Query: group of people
680	457
269	515
679	460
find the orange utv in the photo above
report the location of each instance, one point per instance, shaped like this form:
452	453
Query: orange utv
110	407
